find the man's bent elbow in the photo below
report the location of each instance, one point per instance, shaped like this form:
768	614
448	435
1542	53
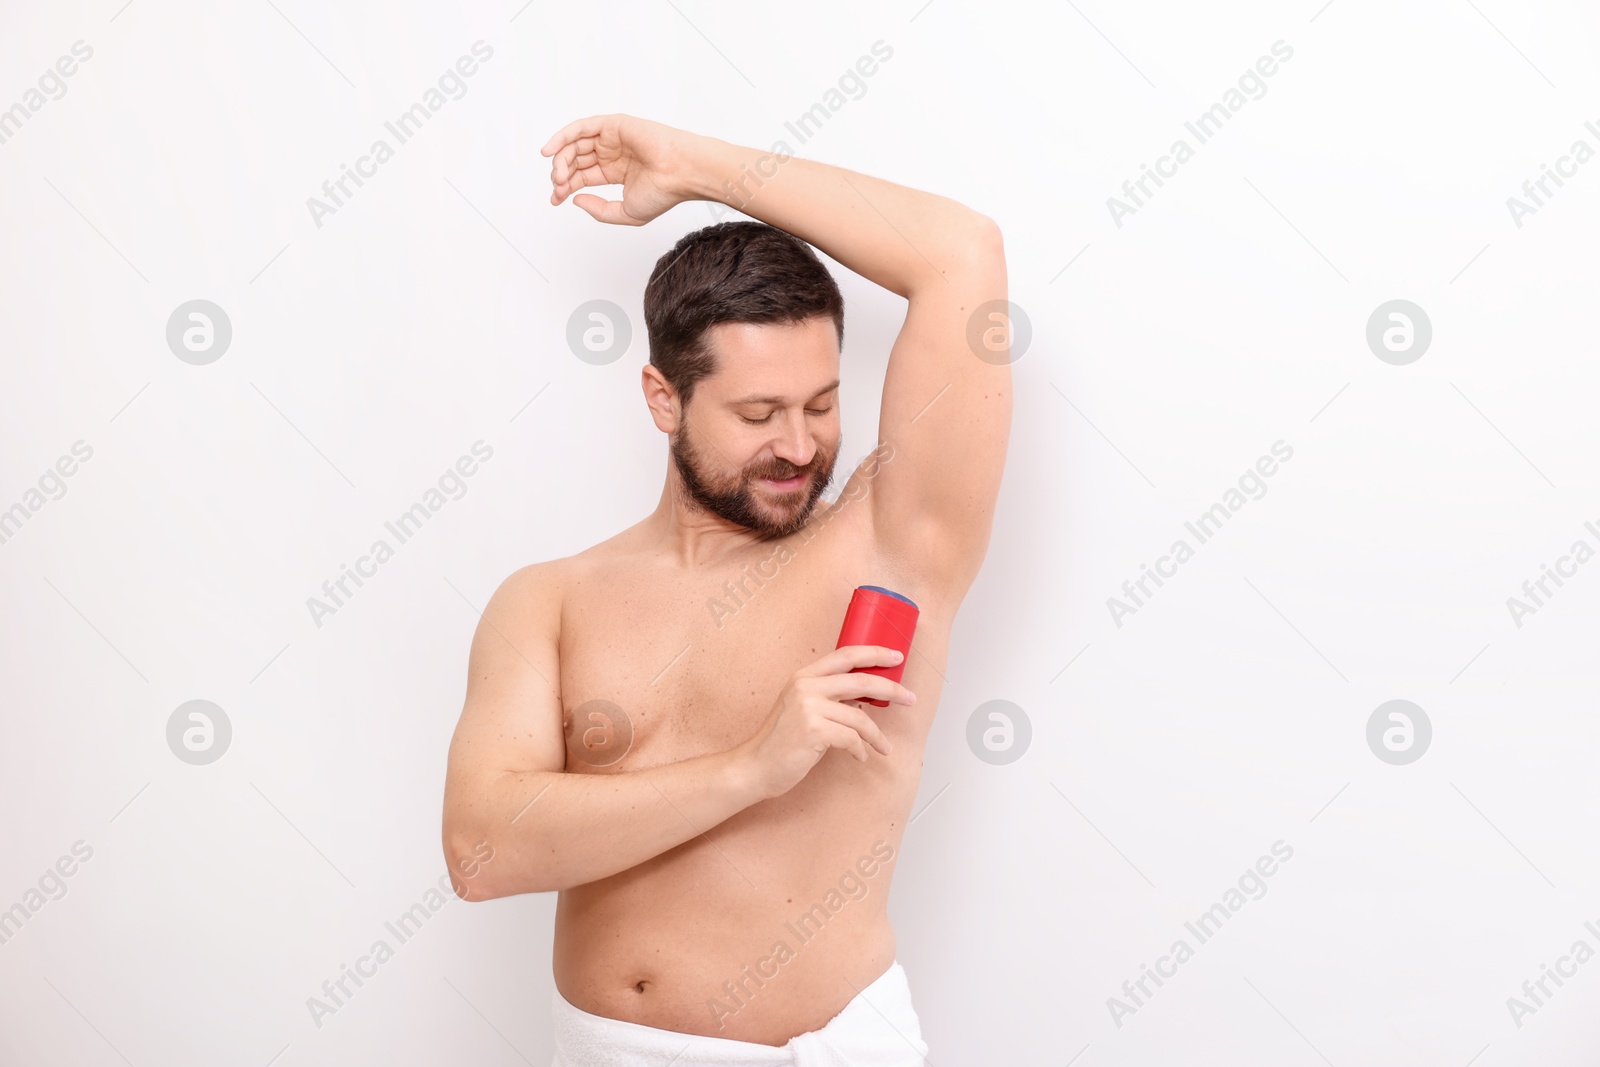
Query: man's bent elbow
990	242
480	871
982	250
471	861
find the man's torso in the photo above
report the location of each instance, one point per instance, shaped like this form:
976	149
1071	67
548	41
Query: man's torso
765	925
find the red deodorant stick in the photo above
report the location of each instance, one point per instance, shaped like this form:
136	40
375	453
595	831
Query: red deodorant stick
879	616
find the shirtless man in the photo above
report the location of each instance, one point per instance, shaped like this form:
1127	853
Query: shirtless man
659	727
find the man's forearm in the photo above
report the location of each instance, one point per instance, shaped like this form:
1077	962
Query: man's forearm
903	239
551	830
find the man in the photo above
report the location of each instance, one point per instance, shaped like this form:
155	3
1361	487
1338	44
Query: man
659	727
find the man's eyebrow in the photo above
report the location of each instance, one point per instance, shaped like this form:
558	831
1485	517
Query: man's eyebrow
830	387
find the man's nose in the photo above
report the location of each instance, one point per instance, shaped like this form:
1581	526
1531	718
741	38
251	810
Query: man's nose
795	444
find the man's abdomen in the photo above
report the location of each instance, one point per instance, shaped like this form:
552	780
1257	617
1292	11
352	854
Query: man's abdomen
765	930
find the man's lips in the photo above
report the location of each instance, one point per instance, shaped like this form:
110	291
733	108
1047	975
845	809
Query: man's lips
787	484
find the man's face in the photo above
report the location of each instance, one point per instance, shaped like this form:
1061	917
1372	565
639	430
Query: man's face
760	436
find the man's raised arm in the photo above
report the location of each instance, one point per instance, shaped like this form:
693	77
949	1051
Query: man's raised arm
946	410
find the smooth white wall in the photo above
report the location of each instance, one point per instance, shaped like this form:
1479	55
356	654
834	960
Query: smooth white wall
1168	354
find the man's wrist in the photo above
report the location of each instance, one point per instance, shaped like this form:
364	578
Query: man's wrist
740	776
700	168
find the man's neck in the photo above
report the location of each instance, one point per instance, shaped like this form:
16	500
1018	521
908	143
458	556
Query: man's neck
693	537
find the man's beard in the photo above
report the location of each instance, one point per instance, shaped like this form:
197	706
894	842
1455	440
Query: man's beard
735	498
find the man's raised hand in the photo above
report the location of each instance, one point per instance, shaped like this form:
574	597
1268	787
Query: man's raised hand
645	158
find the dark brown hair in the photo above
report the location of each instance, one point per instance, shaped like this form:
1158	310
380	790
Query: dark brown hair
741	271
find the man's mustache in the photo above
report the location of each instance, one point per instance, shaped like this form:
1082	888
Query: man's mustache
789	470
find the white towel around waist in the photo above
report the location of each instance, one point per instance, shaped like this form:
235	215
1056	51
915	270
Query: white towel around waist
878	1028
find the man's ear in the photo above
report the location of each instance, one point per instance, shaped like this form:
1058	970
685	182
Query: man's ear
661	398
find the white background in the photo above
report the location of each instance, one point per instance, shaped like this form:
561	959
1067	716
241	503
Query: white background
1167	355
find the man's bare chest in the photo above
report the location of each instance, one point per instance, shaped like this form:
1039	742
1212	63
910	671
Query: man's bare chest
658	667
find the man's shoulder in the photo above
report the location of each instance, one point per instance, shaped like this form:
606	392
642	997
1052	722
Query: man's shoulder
535	579
529	598
536	591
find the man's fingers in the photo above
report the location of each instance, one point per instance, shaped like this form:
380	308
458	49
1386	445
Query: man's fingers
858	685
584	127
572	155
846	738
862	724
575	156
850	656
567	180
605	210
583	158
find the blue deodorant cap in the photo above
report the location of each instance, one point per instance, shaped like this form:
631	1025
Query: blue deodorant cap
890	592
